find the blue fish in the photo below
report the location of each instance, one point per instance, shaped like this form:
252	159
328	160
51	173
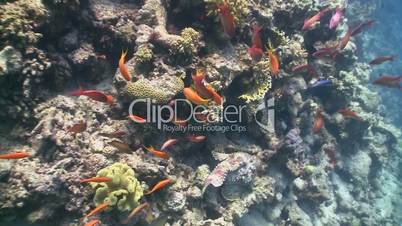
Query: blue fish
319	87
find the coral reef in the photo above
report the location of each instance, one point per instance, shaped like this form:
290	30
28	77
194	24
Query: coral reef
343	173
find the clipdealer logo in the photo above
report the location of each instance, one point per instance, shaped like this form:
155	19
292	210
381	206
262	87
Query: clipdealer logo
227	119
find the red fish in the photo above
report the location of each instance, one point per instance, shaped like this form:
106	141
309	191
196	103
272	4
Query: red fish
359	28
318	121
117	134
306	67
160	154
382	59
255	53
256	37
345	40
199	84
135	211
227	19
137	119
309	23
96	180
159	186
389	81
97	210
329	51
336	18
16	155
169	143
347	113
77	128
195	138
94	95
93	222
122	67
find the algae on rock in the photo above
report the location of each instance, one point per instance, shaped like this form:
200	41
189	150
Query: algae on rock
124	191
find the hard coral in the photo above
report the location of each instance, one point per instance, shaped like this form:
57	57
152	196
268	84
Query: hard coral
238	8
124	191
188	43
261	83
161	89
19	20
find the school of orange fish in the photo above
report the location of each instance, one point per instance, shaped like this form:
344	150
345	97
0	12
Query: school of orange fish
202	93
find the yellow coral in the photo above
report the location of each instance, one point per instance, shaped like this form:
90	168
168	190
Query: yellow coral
143	55
238	8
188	43
160	91
261	82
124	191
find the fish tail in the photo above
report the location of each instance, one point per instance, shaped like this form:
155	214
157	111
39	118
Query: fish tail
77	93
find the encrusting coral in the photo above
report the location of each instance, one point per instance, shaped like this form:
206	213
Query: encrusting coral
18	21
124	191
161	90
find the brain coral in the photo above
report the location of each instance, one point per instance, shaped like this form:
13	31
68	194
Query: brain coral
161	89
124	191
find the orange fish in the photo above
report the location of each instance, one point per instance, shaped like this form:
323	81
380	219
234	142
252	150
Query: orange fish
159	186
382	59
117	134
93	222
97	210
273	60
332	156
137	119
199	84
345	40
159	154
201	117
389	81
77	128
195	138
121	146
192	96
318	121
309	23
94	95
96	180
122	66
349	114
215	95
256	37
135	212
227	19
16	155
169	143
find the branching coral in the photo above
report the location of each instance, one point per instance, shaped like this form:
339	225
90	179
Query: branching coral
124	191
18	21
261	83
143	55
188	43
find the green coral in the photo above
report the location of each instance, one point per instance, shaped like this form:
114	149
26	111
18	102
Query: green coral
188	43
124	191
18	21
260	83
159	90
143	55
238	8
